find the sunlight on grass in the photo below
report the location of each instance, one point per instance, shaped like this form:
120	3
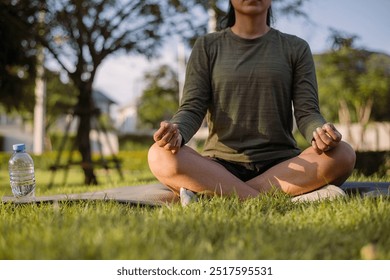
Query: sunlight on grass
75	178
268	227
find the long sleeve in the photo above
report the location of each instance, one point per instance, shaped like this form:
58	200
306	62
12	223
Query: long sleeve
305	93
247	87
196	94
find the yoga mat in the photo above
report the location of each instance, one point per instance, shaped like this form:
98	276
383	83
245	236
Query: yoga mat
157	194
153	194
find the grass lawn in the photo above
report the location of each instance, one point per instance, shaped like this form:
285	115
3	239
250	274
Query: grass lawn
269	227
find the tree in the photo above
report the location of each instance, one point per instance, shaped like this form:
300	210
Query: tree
352	81
80	34
18	64
17	55
160	99
63	97
374	85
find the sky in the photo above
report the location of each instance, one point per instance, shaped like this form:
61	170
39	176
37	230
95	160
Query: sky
121	77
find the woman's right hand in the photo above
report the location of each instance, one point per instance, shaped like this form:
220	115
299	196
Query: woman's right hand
325	138
168	137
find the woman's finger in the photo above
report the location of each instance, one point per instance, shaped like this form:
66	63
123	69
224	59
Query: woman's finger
315	148
159	134
177	144
325	138
331	130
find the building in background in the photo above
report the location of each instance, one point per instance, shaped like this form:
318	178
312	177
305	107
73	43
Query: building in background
126	120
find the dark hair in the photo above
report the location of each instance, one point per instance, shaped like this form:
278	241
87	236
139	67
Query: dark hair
229	19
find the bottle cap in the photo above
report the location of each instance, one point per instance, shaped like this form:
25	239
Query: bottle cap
19	147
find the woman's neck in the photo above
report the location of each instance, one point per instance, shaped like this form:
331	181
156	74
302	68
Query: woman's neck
250	27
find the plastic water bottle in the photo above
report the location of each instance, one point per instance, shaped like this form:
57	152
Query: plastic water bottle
21	173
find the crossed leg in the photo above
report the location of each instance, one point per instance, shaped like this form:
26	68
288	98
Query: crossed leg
304	173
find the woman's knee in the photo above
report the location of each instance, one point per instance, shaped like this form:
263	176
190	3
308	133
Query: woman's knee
161	162
153	154
346	157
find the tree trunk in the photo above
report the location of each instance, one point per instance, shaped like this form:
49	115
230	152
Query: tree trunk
84	111
364	114
345	119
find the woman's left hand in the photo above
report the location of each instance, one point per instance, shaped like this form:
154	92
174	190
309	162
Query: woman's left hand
325	138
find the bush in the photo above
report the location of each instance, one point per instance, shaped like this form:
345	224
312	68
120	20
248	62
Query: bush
131	142
369	163
130	160
57	138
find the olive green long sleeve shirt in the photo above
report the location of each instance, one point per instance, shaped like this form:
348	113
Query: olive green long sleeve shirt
249	89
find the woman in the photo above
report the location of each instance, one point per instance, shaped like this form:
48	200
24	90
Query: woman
246	78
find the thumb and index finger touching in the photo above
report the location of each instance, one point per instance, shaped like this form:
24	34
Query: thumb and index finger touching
325	138
168	136
331	130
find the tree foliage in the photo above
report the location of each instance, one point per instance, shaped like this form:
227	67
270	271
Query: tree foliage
160	98
353	81
80	34
17	55
375	84
63	97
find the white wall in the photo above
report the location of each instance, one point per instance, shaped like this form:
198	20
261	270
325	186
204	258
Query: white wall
376	136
